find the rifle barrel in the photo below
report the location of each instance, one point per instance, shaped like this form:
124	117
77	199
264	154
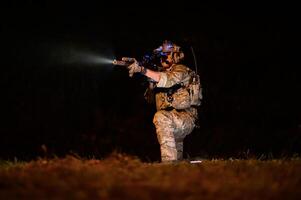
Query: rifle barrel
120	63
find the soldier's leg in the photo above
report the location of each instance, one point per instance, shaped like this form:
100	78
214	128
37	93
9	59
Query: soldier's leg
179	147
164	130
184	124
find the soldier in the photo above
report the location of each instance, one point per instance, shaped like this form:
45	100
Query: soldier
175	117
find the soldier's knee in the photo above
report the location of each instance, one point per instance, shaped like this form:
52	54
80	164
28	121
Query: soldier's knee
162	117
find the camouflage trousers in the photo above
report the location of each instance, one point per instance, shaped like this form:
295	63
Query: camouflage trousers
171	128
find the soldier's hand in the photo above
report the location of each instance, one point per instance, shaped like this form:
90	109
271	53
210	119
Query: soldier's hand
134	68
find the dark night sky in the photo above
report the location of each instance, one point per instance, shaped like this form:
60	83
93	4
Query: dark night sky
50	96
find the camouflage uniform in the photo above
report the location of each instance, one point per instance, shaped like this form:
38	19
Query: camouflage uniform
172	125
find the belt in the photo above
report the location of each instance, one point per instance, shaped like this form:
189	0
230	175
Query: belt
172	108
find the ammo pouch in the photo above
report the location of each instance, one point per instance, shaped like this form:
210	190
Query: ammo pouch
189	94
176	97
181	99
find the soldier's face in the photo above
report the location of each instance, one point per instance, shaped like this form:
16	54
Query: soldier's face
166	61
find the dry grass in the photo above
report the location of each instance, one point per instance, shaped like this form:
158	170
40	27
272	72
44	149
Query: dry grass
125	177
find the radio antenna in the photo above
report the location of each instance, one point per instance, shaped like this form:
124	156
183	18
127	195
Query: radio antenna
194	58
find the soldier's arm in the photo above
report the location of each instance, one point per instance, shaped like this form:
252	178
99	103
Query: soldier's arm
152	74
170	78
166	79
134	67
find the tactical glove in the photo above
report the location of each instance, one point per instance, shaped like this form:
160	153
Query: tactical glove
134	68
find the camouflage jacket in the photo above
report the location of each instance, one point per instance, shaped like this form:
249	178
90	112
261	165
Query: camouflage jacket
177	74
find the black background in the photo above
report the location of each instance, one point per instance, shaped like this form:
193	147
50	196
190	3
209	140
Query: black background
246	60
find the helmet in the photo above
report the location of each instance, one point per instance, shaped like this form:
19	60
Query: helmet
169	47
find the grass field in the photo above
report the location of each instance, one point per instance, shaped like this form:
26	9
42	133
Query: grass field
125	177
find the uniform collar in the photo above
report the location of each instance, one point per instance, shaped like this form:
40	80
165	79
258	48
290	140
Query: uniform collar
171	67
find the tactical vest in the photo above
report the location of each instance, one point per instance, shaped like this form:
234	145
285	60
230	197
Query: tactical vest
182	95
